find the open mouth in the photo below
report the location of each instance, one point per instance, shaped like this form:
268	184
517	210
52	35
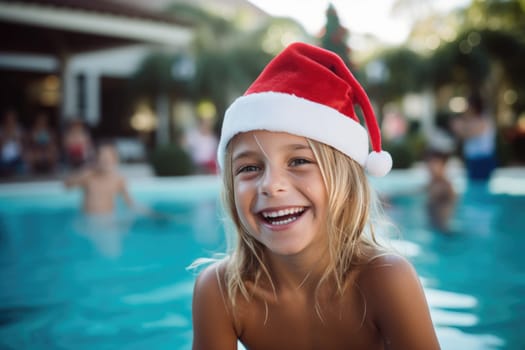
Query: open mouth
283	216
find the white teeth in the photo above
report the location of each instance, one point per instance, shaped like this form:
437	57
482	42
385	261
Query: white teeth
284	222
283	212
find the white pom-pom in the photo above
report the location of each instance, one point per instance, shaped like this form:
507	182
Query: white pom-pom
378	163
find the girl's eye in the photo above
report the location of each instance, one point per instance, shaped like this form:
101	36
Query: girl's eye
247	169
299	161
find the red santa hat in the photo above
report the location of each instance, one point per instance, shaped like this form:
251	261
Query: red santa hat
308	91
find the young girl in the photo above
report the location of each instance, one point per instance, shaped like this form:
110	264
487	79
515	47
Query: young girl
306	271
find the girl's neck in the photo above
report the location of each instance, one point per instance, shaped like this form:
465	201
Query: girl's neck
298	272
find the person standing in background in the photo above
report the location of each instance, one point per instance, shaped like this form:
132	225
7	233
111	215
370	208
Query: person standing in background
477	131
42	150
11	144
77	144
201	143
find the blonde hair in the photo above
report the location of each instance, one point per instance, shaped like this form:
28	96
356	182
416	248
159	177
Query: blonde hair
351	238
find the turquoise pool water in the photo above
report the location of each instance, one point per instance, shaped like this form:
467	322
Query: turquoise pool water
71	283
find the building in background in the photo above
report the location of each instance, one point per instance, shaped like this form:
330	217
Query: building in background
75	58
63	56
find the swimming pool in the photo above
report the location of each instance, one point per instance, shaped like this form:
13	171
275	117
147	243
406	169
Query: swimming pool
64	285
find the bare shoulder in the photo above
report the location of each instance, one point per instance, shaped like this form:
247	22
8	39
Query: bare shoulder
388	268
397	303
385	275
213	325
211	277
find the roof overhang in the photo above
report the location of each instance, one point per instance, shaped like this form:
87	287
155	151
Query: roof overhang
40	27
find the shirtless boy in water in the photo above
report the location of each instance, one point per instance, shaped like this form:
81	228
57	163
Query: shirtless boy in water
101	183
441	195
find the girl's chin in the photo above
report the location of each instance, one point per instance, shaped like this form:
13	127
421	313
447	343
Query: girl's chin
279	244
285	251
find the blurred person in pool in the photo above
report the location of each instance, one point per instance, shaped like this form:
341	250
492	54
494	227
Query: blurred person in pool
101	182
306	271
441	197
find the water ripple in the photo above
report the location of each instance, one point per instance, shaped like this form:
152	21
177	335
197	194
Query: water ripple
161	295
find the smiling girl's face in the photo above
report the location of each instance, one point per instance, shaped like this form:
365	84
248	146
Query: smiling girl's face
279	193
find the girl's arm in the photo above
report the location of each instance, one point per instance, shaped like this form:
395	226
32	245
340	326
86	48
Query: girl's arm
213	326
398	305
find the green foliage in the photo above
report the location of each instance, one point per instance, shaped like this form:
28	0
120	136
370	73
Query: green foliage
504	150
467	60
335	36
171	160
459	61
155	75
509	49
407	150
153	72
500	15
227	58
401	155
407	72
223	72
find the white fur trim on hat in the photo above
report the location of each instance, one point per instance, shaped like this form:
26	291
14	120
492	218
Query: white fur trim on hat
280	112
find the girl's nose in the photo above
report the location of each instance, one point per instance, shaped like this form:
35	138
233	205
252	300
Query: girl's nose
272	182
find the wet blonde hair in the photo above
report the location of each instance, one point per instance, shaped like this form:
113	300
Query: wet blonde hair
351	238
